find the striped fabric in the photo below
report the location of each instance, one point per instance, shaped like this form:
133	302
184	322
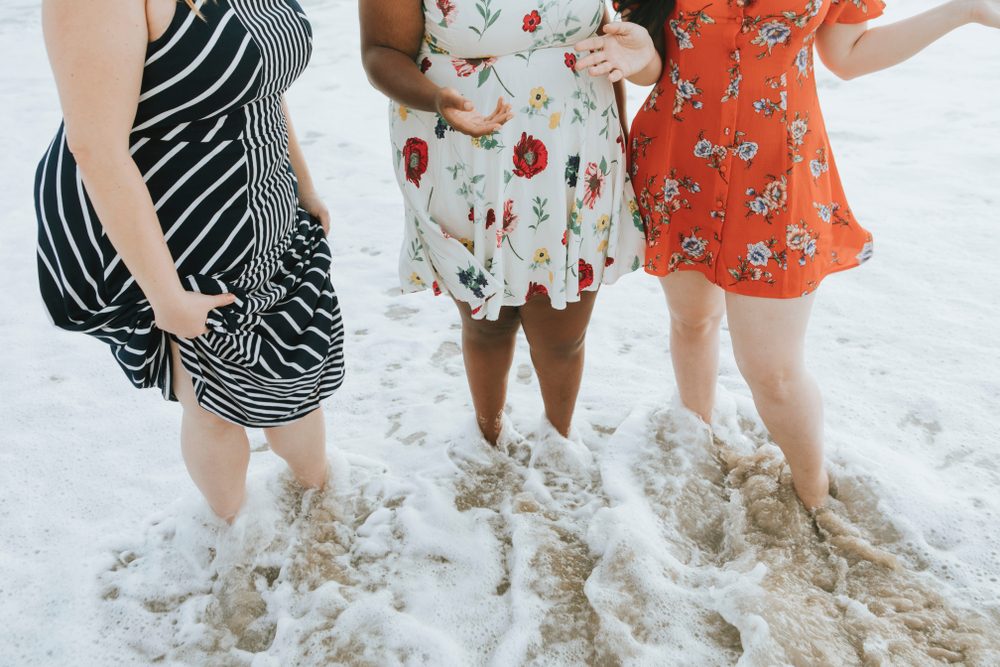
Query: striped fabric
211	143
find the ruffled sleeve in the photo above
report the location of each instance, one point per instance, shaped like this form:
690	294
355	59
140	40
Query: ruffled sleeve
854	11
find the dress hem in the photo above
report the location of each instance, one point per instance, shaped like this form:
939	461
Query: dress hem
735	288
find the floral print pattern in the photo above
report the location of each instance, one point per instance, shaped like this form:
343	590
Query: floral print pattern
734	174
542	208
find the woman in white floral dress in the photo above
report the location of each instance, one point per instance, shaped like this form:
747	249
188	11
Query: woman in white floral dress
520	215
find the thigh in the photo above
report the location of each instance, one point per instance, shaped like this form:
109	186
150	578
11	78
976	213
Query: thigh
544	324
768	333
691	298
507	323
181	381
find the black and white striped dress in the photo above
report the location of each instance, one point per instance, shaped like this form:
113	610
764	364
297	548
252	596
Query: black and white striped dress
211	142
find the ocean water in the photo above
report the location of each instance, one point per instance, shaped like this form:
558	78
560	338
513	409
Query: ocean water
654	542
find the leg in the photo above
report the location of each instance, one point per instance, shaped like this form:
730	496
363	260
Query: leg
557	341
769	342
303	446
216	452
696	308
488	349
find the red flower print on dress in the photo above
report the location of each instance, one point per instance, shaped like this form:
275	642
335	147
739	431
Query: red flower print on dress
530	156
609	261
570	60
466	67
447	8
509	217
425	65
586	274
415	159
593	183
532	21
534	289
509	222
491	218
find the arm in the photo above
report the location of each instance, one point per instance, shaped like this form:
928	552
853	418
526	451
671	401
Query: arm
97	49
391	34
309	199
852	50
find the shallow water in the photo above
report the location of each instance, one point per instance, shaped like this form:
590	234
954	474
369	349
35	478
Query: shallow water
671	542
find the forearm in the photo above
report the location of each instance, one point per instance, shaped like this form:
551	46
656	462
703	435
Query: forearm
885	46
125	209
295	154
397	76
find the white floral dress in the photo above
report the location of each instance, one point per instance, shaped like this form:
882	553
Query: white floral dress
543	207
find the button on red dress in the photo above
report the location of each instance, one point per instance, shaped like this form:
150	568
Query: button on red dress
730	157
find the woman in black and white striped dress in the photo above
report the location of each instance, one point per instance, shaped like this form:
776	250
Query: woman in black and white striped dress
179	225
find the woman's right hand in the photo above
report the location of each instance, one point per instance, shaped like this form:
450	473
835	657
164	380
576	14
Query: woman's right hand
461	114
186	315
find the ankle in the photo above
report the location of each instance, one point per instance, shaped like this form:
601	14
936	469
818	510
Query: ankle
315	478
814	492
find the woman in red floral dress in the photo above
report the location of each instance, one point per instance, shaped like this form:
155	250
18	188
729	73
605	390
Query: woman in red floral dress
739	193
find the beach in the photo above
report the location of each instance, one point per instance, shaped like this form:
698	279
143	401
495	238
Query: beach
654	542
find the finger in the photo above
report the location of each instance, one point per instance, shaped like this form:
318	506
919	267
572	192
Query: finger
618	28
590	44
223	300
324	221
589	61
602	69
616	76
495	116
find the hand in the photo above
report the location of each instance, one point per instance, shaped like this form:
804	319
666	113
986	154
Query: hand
186	316
312	204
461	114
625	49
986	12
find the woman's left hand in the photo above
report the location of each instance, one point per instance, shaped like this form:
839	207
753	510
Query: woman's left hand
312	204
987	12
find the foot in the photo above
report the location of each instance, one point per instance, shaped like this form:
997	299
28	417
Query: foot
813	492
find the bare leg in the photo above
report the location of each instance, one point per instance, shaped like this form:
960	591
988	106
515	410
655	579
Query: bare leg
557	340
696	308
769	342
488	349
303	446
216	452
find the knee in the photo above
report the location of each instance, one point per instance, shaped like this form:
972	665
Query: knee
696	323
778	383
559	346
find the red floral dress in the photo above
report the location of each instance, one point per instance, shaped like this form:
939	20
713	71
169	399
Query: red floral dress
542	207
731	161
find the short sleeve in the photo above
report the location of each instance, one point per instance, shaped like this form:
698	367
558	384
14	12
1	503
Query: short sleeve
854	11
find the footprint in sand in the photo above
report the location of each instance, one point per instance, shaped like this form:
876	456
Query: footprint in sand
399	312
